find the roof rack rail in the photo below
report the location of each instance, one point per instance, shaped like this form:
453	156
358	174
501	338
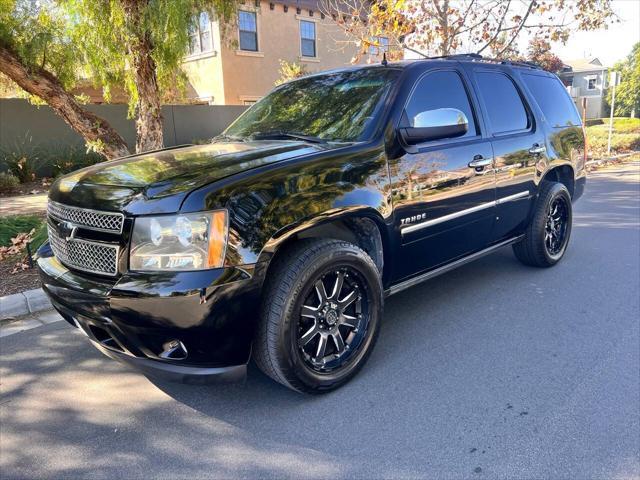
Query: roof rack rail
454	56
521	63
478	57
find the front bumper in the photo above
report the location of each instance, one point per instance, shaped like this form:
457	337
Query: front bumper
138	317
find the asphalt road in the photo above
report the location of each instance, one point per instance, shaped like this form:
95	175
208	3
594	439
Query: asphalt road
494	370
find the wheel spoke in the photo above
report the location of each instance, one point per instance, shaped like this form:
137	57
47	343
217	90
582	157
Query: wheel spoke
348	300
337	288
348	321
308	336
309	312
320	290
337	339
322	346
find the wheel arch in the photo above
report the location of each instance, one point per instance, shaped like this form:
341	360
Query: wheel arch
564	174
363	227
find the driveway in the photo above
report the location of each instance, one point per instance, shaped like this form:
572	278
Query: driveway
493	370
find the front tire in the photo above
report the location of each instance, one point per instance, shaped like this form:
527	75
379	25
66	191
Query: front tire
320	317
547	235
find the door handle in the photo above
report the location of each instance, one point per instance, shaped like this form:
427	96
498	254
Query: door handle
480	162
537	149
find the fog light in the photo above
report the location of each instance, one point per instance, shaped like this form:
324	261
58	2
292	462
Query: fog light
173	350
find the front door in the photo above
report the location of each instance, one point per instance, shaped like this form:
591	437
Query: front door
444	193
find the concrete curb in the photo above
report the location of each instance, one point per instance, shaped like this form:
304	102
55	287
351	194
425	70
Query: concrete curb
29	322
23	303
602	161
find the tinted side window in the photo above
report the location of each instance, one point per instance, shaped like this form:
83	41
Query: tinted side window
553	99
503	103
441	90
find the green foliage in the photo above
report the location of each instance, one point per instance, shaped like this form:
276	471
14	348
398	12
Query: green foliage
36	31
620	124
291	71
625	138
628	92
22	158
72	159
27	159
103	33
8	182
15	224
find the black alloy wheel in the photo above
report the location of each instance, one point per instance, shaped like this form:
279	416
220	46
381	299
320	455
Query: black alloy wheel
333	320
556	226
321	314
547	235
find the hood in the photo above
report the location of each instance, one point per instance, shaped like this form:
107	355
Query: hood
158	182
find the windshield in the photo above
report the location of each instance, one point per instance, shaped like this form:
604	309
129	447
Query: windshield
334	107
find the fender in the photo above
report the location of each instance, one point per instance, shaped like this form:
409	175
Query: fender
286	199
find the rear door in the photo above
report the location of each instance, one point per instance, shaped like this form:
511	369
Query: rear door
443	206
518	146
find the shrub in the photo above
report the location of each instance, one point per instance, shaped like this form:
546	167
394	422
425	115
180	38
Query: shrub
8	182
597	138
73	159
620	124
23	158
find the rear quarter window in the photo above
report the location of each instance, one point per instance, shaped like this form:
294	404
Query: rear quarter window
553	99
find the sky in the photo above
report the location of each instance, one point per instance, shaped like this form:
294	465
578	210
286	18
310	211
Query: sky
608	45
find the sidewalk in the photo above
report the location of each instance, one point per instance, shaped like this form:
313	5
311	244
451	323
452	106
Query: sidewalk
23	204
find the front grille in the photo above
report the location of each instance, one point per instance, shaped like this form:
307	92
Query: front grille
85	255
86	218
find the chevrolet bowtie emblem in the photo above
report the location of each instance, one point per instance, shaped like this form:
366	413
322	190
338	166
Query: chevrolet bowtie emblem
69	230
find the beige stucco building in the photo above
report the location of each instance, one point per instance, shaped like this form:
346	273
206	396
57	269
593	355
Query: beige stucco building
241	67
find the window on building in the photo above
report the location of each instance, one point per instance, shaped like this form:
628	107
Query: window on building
441	90
591	83
378	45
504	106
307	38
200	40
248	24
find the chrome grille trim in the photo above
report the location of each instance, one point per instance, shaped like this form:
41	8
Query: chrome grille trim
87	218
89	256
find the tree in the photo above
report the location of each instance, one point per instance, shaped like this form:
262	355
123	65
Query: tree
291	71
443	27
628	92
138	44
37	56
539	51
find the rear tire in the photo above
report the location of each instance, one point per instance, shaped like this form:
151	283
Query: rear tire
547	235
320	315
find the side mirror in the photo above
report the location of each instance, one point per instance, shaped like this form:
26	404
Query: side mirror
435	125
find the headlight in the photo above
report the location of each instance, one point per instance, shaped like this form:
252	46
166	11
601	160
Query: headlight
193	241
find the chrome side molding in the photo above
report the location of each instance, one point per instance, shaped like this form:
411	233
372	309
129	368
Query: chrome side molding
445	218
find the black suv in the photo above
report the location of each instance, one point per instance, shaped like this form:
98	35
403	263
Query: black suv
281	238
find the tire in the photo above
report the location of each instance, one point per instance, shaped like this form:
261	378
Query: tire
540	248
292	284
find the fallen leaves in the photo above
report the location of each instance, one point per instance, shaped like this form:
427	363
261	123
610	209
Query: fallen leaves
18	245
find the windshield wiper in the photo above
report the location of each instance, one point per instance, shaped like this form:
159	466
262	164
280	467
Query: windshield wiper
283	134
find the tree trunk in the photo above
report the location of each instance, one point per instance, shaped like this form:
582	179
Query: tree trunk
44	84
148	113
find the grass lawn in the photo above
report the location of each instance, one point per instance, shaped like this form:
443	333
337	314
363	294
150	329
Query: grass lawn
625	136
15	224
21	280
